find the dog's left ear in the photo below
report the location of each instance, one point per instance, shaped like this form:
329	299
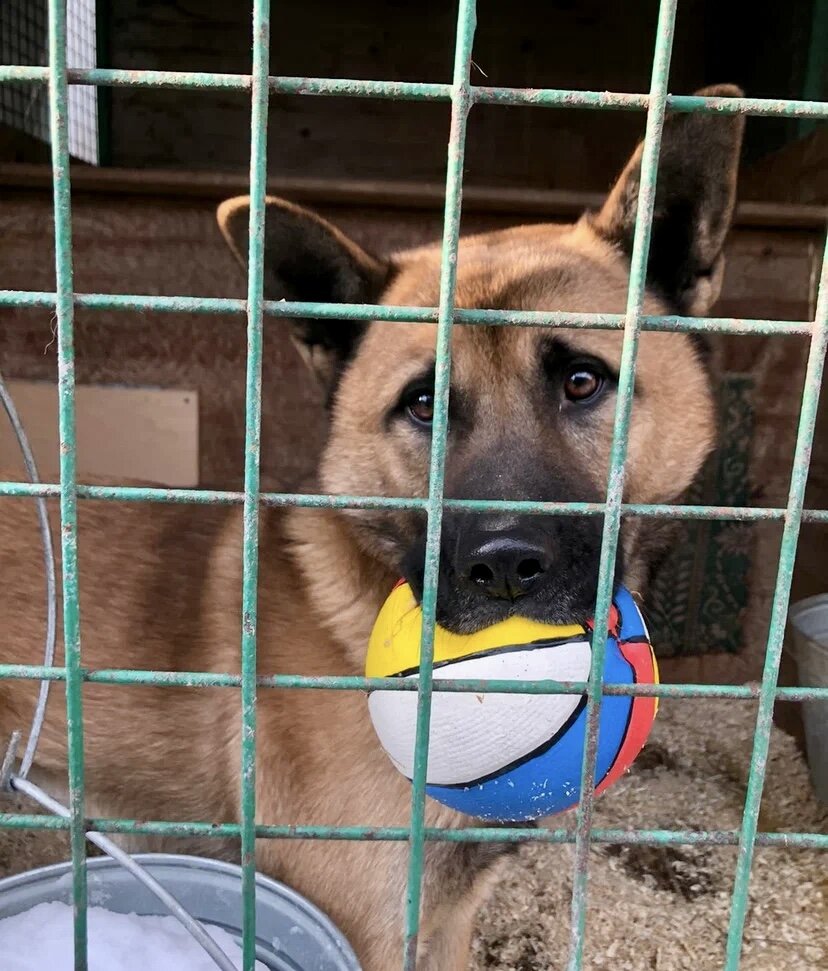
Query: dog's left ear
308	259
695	197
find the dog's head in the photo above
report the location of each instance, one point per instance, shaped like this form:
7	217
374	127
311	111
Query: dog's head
531	409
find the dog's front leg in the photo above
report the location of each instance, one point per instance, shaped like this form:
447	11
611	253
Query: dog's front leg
361	886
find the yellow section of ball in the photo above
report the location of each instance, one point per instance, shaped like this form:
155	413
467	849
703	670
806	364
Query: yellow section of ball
394	645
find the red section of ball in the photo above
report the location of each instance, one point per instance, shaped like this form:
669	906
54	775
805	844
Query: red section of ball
639	654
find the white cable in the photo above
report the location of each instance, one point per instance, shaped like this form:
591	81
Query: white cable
51	583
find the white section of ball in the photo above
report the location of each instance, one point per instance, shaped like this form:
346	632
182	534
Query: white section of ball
476	735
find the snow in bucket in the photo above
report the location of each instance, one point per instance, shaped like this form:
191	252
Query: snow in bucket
291	933
42	938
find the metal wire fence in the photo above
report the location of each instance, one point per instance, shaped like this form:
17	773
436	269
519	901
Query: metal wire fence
462	95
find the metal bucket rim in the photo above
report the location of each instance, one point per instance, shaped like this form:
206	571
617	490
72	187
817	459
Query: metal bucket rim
807	604
797	614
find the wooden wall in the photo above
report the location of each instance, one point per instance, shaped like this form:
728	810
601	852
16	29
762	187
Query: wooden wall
587	44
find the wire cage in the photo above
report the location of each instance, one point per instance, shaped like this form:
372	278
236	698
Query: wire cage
24	39
462	96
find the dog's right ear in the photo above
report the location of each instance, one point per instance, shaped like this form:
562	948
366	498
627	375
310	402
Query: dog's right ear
694	199
308	259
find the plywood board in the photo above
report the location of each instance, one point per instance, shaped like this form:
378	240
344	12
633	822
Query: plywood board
148	434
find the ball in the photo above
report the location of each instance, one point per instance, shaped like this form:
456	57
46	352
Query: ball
510	757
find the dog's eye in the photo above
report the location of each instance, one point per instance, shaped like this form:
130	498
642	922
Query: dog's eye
582	383
419	405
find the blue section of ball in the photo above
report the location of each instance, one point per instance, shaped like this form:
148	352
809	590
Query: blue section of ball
632	626
549	782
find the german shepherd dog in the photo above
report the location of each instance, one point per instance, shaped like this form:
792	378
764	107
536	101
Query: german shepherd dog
531	413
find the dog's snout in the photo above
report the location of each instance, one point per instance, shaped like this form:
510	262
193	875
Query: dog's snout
543	568
503	567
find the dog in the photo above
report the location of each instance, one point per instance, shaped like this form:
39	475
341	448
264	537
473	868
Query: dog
530	417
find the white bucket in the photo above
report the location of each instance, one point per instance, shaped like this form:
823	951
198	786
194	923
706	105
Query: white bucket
809	629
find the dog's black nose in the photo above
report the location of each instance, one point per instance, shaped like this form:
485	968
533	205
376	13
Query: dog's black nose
503	567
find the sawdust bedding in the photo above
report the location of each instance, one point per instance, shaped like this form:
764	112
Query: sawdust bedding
667	909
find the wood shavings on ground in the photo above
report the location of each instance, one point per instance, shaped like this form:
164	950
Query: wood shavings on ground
667	908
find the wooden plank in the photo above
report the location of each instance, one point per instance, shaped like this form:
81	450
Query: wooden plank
797	173
379	192
577	44
149	434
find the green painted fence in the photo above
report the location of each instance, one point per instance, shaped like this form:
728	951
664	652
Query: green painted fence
462	96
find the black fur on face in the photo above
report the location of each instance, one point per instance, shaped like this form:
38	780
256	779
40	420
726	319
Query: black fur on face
495	566
565	593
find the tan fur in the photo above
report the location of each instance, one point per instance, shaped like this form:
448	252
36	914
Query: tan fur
672	428
160	589
161	586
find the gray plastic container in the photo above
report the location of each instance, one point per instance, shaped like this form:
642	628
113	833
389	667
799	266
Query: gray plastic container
291	933
809	636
